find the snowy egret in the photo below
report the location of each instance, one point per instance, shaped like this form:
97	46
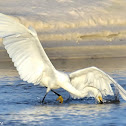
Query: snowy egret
34	66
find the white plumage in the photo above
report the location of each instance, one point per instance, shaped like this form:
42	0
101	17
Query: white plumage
92	77
33	65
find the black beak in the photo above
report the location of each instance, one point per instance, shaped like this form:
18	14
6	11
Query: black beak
101	102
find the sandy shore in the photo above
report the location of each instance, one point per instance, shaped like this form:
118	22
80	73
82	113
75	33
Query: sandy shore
86	50
82	50
68	32
112	65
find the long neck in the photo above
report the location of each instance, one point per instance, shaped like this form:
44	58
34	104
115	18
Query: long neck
87	91
90	90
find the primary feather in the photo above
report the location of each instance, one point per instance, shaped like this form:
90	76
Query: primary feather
96	78
91	77
24	48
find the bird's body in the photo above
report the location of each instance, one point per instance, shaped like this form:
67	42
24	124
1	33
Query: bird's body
34	66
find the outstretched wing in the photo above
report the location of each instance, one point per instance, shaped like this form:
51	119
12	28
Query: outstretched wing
24	47
95	77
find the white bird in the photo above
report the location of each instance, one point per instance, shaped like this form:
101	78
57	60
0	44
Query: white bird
34	66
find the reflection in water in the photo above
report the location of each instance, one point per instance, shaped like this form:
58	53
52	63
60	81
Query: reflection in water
20	102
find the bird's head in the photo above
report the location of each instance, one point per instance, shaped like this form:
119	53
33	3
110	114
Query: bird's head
96	92
93	91
99	98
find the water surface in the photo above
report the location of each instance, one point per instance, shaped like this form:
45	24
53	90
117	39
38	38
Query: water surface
21	102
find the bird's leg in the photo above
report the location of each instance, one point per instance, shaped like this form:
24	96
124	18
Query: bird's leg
48	89
44	98
60	98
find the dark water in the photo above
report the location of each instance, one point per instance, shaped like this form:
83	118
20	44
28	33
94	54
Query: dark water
20	102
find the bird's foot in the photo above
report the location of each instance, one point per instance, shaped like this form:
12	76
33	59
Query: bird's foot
60	99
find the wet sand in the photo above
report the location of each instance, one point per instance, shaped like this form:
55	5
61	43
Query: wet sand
85	52
67	52
80	50
112	65
70	35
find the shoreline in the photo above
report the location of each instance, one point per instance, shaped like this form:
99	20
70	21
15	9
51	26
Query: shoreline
79	52
70	65
87	52
68	32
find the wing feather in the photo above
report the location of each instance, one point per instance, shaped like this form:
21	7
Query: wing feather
101	81
24	48
92	76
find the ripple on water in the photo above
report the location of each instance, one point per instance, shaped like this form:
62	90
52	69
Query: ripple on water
20	104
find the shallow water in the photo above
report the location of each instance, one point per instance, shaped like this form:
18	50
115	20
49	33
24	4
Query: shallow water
20	102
